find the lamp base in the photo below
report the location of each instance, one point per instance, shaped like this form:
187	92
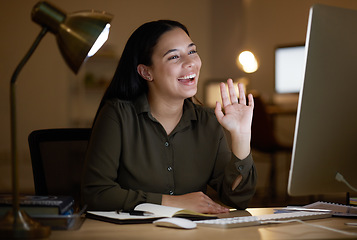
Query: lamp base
25	228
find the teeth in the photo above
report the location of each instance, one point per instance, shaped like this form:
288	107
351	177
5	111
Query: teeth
189	76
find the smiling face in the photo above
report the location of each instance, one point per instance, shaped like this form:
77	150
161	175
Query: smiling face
175	67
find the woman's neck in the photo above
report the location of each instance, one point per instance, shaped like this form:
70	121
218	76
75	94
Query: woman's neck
168	113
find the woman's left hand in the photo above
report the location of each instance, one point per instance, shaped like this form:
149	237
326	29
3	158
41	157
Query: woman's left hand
237	117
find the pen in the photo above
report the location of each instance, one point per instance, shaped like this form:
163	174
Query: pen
136	212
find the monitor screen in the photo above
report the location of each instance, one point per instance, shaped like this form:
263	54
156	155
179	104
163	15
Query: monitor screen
289	68
326	122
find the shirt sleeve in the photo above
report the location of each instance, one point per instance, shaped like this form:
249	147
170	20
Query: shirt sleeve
232	167
100	189
242	194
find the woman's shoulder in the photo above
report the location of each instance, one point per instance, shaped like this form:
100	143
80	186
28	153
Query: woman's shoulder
138	105
206	118
203	110
118	107
117	103
204	113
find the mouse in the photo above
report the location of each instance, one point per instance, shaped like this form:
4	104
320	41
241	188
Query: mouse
175	222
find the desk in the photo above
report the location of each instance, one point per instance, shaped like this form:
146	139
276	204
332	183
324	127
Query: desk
92	229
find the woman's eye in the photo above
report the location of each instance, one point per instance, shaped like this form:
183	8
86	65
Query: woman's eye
173	57
192	52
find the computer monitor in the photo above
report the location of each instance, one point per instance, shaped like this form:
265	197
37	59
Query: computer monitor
289	68
325	140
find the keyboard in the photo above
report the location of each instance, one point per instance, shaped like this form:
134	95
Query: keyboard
246	221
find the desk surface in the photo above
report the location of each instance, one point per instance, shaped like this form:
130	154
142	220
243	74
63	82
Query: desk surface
92	229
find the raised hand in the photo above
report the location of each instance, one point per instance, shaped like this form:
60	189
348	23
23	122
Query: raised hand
237	117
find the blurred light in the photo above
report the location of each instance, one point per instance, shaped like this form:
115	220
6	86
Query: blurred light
247	62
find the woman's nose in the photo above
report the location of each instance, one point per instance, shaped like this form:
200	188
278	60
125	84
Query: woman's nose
188	61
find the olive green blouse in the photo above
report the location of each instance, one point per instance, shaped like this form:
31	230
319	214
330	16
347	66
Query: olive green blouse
131	160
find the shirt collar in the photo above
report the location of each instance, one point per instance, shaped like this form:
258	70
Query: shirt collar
189	112
142	105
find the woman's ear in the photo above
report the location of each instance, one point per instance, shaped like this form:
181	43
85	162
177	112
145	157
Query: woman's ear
144	72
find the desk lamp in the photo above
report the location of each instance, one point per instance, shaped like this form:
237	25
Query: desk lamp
79	35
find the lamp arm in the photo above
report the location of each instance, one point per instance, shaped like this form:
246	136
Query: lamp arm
14	157
28	54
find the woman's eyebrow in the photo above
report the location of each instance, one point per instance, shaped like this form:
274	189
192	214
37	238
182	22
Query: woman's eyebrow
191	45
175	49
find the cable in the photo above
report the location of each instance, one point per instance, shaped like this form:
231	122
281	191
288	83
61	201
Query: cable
339	177
313	225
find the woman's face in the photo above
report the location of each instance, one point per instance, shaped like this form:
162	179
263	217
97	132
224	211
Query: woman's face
175	66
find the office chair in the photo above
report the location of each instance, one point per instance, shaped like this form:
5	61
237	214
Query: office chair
57	157
264	140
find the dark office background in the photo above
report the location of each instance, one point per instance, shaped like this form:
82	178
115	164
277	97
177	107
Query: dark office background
49	95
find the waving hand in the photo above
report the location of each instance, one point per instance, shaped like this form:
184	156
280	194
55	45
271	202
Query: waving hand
237	116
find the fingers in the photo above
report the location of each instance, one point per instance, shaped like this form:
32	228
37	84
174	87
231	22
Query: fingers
218	111
196	201
232	94
250	100
224	95
210	206
242	99
215	208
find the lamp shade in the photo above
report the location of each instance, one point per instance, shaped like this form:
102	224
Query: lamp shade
76	33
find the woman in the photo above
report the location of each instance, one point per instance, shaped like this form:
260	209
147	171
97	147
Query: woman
151	143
